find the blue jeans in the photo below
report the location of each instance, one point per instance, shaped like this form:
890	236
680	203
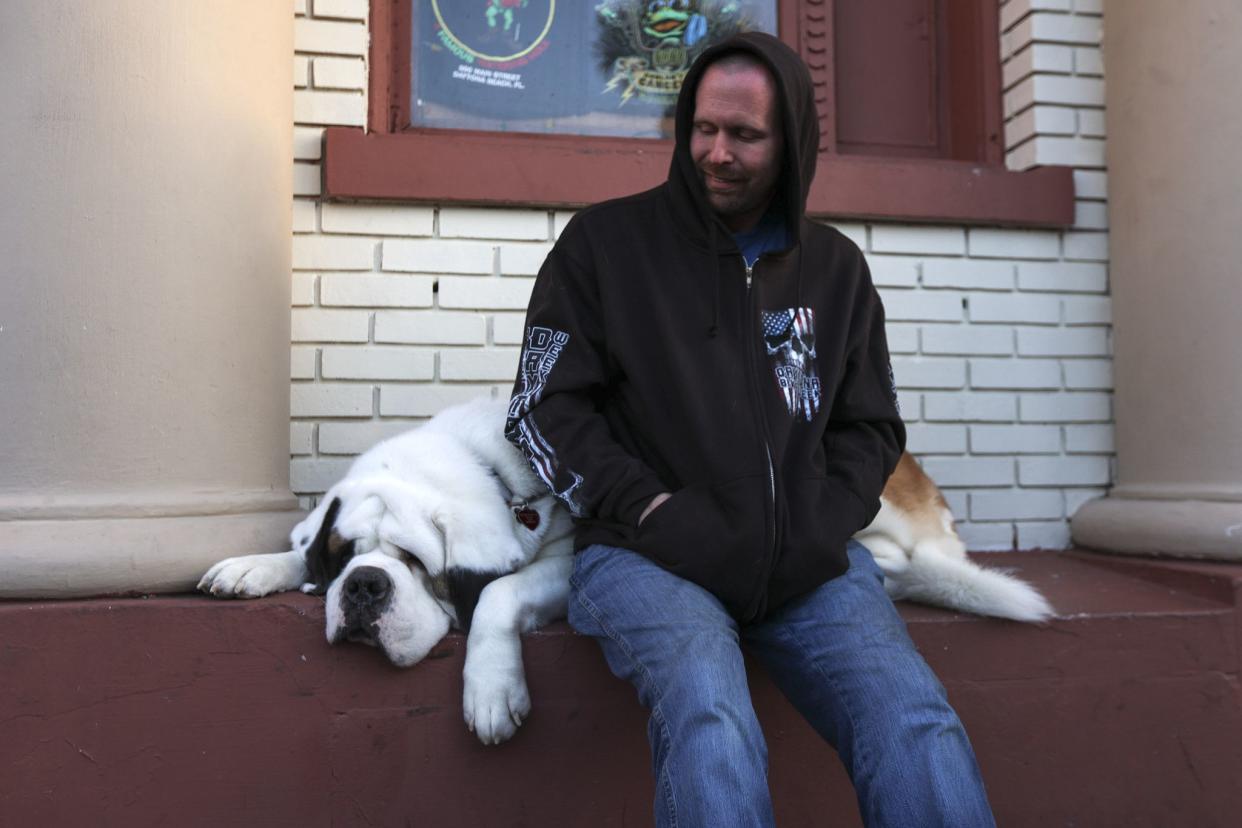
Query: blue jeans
840	654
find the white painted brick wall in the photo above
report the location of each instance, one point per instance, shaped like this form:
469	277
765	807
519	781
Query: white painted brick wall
968	340
302	362
1090	439
1038	342
435	256
970	471
339	73
893	238
903	338
508	328
1044	534
1065	408
314	325
303	289
304	216
920	306
333	253
496	364
893	271
1062	277
522	259
1000	336
926	439
344	9
478	223
1007	439
1015	373
330	400
377	364
1089	374
471	292
378	219
1014	307
330	37
431	328
368	290
1014	244
425	400
1016	503
967	273
355	438
1063	471
921	372
301	438
328	108
306	180
982	407
307	143
301	72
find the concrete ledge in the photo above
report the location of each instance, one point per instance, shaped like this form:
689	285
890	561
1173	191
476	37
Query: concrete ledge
1125	710
1177	528
131	555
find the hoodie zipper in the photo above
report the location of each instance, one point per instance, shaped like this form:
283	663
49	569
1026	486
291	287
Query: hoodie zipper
767	448
750	272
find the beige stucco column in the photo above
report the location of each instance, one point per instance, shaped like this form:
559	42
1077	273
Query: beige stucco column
145	191
1175	196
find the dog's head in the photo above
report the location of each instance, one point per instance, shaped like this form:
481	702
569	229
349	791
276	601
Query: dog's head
387	574
376	593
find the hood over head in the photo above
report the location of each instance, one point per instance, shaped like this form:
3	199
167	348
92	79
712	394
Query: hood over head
799	121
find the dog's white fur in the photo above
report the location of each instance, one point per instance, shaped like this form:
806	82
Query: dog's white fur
440	499
434	499
915	544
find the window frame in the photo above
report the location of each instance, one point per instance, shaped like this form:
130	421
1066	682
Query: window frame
387	161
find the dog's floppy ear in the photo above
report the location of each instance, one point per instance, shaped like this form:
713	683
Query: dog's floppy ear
328	552
462	586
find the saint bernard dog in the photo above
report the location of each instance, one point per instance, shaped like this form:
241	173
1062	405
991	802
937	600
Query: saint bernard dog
447	526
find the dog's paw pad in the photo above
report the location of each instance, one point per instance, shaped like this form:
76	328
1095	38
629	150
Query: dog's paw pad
494	710
250	576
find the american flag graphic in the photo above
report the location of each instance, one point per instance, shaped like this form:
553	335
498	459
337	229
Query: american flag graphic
790	338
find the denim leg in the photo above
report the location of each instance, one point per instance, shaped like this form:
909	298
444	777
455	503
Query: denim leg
679	648
842	656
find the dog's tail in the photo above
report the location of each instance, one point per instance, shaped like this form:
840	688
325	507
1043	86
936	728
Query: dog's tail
957	583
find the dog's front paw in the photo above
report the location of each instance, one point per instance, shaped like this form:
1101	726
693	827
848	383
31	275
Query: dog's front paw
253	576
495	702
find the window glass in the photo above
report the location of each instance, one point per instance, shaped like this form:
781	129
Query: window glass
608	67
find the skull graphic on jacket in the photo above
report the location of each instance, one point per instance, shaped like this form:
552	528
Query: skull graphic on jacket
789	337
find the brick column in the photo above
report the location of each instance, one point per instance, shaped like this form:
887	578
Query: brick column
1174	116
144	327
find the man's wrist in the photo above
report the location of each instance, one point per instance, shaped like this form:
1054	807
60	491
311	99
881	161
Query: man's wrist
651	507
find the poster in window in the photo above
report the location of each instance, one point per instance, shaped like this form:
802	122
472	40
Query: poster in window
608	67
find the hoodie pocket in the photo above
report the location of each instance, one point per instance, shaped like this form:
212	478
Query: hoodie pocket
714	535
819	511
820	517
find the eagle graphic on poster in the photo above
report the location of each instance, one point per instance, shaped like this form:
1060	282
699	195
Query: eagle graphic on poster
645	48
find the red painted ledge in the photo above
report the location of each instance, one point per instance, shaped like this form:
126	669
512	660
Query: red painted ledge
573	171
183	710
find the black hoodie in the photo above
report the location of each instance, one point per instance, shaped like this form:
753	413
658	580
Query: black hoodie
654	362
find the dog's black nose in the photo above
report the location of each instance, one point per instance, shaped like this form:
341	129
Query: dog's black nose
367	586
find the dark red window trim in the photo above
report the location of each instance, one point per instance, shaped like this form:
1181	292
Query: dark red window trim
463	167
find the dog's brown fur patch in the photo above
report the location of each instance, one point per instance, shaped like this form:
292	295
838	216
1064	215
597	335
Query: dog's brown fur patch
910	490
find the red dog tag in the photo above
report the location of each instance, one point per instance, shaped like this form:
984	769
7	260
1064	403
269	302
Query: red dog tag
526	516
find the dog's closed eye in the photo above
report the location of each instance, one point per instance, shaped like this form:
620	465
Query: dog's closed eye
409	556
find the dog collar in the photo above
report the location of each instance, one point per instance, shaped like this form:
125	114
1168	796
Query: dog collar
522	511
525	515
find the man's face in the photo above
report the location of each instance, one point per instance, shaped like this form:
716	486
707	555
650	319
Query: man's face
736	142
